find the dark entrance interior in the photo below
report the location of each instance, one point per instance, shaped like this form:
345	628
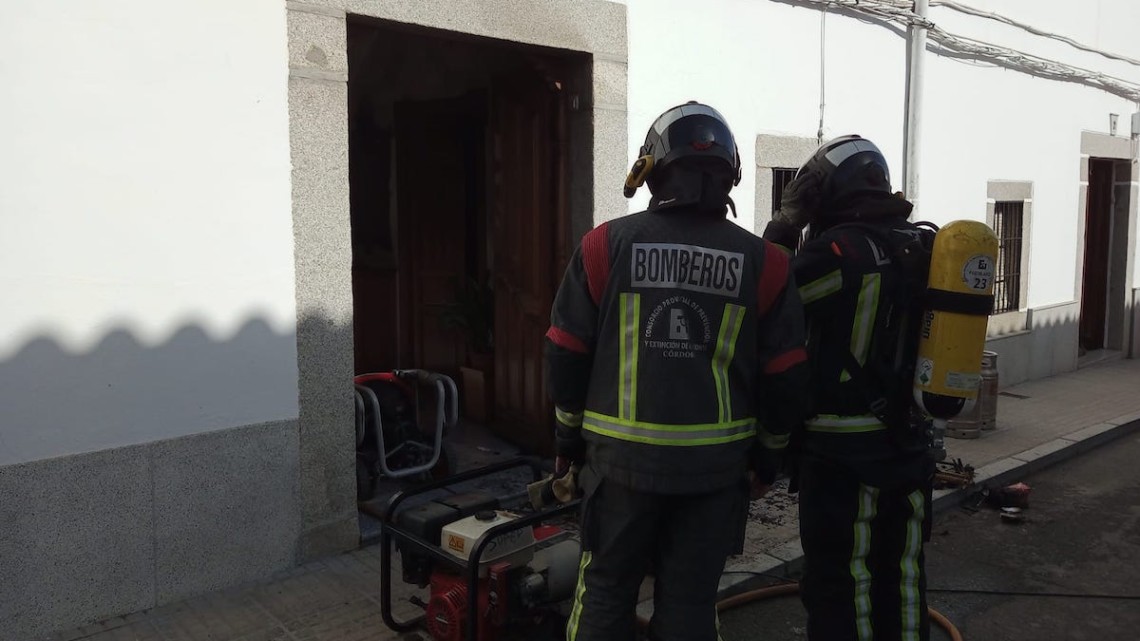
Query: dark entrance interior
1105	286
458	154
1098	237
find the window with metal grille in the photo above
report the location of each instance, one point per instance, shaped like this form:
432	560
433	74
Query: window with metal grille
780	179
1009	226
781	176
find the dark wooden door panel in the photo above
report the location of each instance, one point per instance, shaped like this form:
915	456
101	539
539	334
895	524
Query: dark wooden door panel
431	216
528	214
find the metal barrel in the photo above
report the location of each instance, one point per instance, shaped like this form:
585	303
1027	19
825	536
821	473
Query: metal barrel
983	414
988	394
968	424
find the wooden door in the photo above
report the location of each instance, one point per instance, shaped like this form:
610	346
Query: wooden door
432	201
1098	235
529	219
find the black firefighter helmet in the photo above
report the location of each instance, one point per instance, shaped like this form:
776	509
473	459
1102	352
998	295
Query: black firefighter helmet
688	150
837	175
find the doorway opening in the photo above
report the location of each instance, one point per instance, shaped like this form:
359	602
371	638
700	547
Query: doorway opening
458	165
1103	331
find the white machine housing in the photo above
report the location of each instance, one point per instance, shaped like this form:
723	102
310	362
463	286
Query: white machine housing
460	538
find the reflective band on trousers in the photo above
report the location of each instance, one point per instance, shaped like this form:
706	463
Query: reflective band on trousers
909	586
844	424
860	574
579	595
665	434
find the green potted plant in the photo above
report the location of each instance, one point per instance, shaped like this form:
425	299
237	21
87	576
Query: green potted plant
473	313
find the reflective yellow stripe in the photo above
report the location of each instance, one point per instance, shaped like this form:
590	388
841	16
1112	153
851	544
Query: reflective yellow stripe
579	595
633	356
824	286
868	506
730	324
865	313
630	324
569	419
844	424
772	441
908	589
669	434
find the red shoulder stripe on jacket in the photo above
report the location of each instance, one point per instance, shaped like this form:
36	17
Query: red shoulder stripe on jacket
596	260
773	277
786	361
566	340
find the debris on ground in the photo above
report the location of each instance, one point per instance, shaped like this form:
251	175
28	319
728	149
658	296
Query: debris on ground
776	508
1012	515
953	474
1016	495
1011	501
973	502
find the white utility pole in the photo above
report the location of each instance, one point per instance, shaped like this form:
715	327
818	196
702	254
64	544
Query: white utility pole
916	51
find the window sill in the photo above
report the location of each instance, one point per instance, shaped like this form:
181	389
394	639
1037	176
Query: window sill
1007	324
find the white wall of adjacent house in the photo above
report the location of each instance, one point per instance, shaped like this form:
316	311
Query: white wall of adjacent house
759	63
146	257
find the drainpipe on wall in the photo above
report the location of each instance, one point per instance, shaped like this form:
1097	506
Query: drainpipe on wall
916	49
1133	334
822	69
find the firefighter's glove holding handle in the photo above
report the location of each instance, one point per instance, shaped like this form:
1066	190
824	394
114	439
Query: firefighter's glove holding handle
562	486
555	489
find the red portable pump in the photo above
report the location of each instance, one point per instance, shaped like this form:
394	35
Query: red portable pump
490	570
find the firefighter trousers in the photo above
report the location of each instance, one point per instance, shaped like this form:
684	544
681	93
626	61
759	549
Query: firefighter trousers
683	540
864	576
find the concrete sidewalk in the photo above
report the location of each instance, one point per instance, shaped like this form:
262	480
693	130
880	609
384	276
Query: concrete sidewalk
337	599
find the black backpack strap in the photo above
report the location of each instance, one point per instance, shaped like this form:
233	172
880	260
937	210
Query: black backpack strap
871	388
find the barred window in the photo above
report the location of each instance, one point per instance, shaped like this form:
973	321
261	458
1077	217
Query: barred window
780	178
1009	227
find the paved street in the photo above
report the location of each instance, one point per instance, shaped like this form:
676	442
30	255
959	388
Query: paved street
1081	537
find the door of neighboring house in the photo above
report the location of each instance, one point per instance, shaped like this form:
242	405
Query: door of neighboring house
1098	238
529	218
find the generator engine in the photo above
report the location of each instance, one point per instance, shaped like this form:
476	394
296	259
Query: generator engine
525	576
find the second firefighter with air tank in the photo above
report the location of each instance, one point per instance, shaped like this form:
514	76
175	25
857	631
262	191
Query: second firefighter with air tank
896	319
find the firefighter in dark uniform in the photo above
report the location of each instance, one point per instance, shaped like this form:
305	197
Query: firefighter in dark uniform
676	364
864	469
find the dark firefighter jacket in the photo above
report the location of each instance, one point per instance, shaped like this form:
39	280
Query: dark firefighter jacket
848	283
676	347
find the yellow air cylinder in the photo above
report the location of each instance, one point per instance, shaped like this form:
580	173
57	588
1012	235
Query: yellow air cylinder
959	302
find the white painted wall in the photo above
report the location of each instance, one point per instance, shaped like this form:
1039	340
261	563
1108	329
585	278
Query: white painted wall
758	62
146	262
984	124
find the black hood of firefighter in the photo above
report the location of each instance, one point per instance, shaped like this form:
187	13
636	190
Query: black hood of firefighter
864	208
691	184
